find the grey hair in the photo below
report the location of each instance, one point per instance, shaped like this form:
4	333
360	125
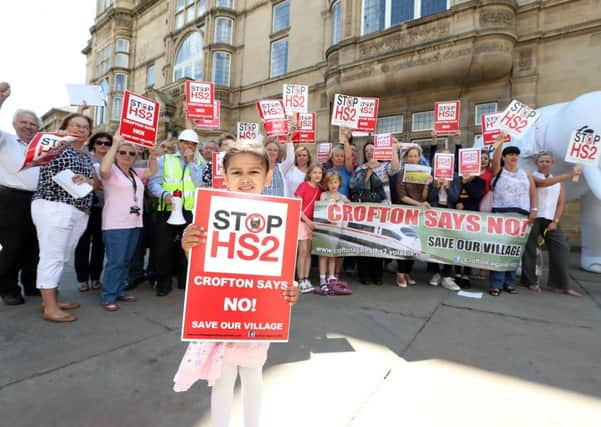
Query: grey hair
544	153
31	113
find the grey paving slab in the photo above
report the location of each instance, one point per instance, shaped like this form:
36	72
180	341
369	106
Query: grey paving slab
559	355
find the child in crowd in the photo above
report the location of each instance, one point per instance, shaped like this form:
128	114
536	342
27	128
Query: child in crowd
309	191
327	265
246	167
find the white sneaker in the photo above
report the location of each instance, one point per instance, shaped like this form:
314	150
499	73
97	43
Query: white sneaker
305	286
435	280
449	283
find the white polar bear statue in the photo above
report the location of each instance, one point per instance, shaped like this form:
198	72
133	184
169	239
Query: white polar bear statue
552	132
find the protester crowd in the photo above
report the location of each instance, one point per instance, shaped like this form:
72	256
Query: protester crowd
119	234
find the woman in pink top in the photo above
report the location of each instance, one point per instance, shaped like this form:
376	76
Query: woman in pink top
121	216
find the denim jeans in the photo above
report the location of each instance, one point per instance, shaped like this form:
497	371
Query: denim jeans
120	246
498	279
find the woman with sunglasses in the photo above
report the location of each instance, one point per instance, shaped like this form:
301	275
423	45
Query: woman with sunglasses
60	219
121	216
88	266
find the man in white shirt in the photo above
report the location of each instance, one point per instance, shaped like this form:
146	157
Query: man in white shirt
18	239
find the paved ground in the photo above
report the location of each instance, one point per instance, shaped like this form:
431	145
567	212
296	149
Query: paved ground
382	357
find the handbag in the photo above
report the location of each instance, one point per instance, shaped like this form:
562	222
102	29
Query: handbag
365	195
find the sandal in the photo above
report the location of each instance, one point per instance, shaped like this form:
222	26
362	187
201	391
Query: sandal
534	288
494	292
510	289
110	306
126	298
400	280
410	281
84	287
96	285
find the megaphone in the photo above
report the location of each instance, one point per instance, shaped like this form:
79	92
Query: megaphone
177	216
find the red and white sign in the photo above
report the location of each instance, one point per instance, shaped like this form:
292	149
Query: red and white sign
210	122
305	132
444	166
45	147
583	148
383	147
217	171
247	131
446	117
490	128
360	114
200	98
469	162
517	119
139	119
295	98
272	111
323	151
236	279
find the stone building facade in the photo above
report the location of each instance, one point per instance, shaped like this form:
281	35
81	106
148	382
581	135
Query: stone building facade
408	53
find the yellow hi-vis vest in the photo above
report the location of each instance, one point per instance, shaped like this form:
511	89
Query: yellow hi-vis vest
176	179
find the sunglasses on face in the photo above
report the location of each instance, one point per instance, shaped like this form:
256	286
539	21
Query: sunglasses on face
131	153
105	143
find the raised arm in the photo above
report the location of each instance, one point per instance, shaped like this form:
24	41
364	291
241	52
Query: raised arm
4	92
343	137
496	160
109	158
547	182
152	163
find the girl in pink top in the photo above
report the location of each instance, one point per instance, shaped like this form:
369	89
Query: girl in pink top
309	191
245	167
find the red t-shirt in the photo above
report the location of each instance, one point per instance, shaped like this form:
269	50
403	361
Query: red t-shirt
487	177
309	195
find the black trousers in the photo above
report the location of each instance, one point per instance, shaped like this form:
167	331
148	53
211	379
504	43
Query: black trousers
168	252
20	251
369	269
88	265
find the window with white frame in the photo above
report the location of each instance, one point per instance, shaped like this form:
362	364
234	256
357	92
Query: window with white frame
489	107
281	16
122	53
380	14
422	121
223	30
103	60
150	75
221	68
279	57
117	105
100	116
120	82
229	4
201	9
189	59
103	5
337	22
390	124
478	140
186	11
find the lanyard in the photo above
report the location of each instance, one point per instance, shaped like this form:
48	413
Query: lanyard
131	177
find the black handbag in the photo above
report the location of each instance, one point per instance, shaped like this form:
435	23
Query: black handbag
366	195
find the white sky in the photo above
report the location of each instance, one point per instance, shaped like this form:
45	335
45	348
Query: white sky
41	49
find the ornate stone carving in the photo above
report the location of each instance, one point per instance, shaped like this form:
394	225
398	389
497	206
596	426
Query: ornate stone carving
496	18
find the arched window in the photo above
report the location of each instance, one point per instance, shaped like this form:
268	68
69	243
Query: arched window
188	61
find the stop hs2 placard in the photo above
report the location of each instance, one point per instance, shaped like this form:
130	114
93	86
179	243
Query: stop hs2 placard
237	278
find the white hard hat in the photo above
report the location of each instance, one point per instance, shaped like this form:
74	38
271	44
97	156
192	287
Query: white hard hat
189	135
